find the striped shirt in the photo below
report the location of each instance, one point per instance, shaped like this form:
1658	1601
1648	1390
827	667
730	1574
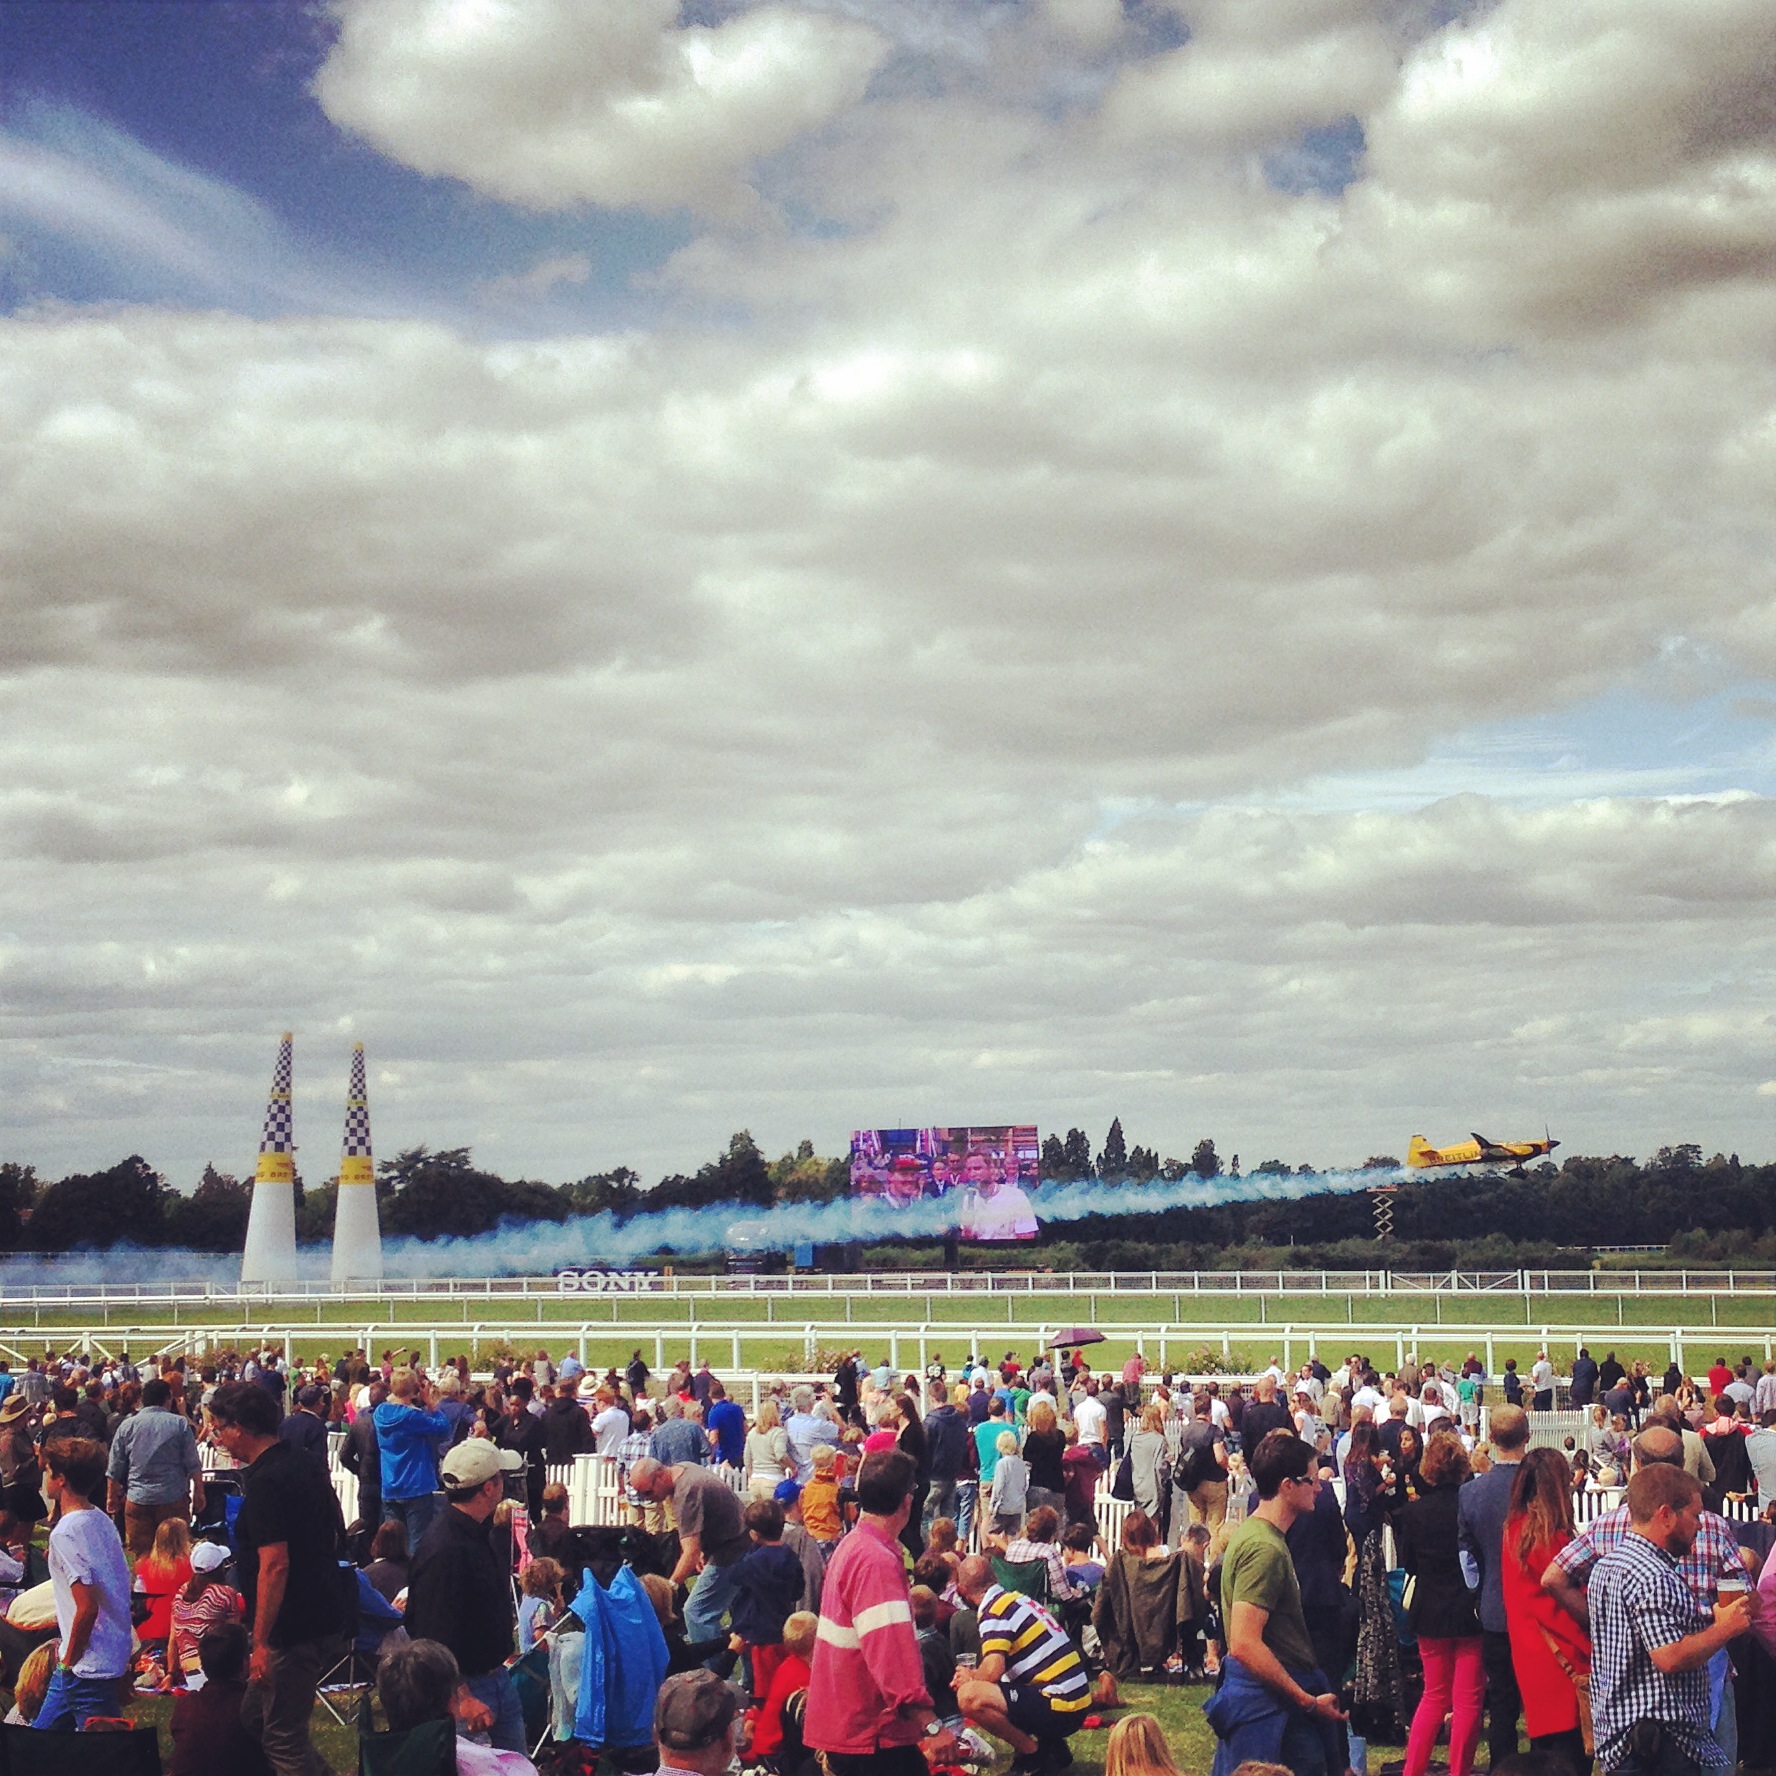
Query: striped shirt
1715	1556
1035	1648
1640	1601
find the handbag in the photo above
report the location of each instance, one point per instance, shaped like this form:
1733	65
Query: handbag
1123	1485
1581	1683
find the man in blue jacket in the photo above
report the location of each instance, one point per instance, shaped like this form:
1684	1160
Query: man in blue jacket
1481	1509
410	1431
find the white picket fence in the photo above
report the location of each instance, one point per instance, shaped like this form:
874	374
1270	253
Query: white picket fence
595	1494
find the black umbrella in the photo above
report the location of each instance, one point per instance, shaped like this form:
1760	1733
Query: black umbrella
1075	1336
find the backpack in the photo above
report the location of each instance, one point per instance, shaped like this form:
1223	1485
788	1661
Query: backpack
1196	1463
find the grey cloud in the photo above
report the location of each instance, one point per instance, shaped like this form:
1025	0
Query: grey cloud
1233	972
636	737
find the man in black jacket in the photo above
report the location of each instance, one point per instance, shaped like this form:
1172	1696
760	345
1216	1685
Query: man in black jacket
951	1451
1265	1414
361	1454
459	1593
305	1427
567	1431
1584	1378
521	1431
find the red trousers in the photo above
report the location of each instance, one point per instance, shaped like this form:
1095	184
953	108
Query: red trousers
1455	1684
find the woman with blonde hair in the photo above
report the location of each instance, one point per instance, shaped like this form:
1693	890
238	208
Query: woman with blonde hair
1044	1445
766	1460
1137	1747
164	1572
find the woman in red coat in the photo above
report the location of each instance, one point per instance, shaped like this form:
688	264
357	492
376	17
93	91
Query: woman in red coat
1539	1525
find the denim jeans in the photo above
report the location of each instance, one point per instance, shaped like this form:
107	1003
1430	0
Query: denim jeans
71	1701
954	1499
416	1514
495	1690
706	1609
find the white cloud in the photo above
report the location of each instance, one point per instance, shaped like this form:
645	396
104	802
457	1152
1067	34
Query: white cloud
768	720
1254	75
551	103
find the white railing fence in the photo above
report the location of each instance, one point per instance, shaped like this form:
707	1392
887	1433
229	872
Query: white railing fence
1259	1284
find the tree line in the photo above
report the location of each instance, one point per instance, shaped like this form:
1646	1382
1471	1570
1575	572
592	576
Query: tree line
1705	1209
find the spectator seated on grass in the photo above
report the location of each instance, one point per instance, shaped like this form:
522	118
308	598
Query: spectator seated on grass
418	1683
208	1737
33	1685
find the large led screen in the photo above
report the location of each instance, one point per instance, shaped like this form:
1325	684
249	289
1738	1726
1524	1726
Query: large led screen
985	1175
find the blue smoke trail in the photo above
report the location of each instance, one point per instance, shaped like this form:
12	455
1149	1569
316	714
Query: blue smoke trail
537	1248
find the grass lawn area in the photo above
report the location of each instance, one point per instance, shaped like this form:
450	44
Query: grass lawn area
1178	1708
337	1744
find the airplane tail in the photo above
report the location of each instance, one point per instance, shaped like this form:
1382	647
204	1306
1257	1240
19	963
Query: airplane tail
1416	1150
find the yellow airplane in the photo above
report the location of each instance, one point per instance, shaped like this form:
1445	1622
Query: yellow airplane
1476	1151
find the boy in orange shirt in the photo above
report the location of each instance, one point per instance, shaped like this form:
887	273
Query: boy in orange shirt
820	1499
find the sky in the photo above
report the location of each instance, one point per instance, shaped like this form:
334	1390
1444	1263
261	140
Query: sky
854	563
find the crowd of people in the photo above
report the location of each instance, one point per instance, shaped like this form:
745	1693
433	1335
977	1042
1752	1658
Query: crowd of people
883	1572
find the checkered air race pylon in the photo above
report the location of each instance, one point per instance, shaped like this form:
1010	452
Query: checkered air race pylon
357	1236
270	1255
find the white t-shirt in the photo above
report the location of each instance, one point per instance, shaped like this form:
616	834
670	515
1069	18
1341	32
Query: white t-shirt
610	1427
1089	1415
1219	1416
1542	1375
1008	1214
84	1548
1370	1397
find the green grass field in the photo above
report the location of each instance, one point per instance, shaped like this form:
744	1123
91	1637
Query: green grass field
1238	1332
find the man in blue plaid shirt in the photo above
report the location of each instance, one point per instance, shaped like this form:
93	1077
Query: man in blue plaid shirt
1651	1640
1711	1554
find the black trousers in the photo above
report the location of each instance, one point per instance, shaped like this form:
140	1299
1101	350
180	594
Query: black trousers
896	1760
1569	1747
1504	1702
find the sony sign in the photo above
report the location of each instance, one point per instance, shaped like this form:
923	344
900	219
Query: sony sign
592	1279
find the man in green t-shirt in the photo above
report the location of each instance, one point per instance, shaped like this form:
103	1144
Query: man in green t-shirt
1274	1704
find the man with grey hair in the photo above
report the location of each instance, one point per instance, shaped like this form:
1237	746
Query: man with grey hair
1713	1555
419	1682
804	1430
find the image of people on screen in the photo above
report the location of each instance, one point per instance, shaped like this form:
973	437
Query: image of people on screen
994	1205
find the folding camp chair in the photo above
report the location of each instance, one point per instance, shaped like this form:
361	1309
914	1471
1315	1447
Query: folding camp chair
1029	1578
426	1750
24	1751
351	1676
530	1678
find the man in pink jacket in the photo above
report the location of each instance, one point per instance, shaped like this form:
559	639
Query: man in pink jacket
868	1708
